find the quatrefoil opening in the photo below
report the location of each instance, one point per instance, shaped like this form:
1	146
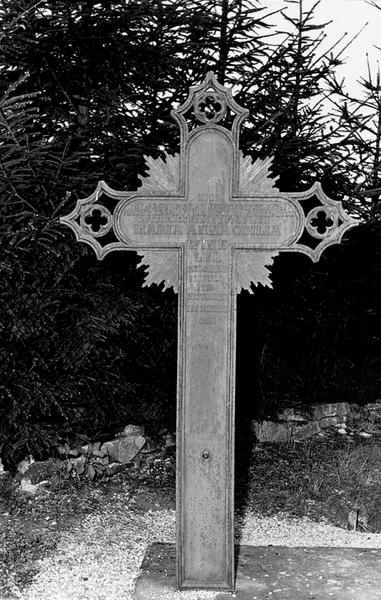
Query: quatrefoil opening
96	219
209	103
209	107
321	221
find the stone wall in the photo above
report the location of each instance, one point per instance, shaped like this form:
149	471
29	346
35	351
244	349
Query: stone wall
321	420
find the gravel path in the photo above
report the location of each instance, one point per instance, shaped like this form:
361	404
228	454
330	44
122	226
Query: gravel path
100	558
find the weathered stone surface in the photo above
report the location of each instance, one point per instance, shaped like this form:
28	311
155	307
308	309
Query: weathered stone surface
66	450
300	424
330	410
114	468
293	415
270	431
149	446
98	453
333	421
276	572
28	488
124	449
78	464
104	461
340	417
25	464
93	449
131	430
353	519
41	471
86	449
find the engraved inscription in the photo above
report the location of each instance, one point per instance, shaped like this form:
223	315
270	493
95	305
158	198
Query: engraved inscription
208	223
248	222
161	221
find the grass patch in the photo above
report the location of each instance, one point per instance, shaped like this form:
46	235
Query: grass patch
321	479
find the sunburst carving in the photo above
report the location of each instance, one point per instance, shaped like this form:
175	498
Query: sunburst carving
162	265
163	175
255	177
252	267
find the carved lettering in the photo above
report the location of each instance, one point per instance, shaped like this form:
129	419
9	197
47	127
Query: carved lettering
211	222
207	320
157	229
207	256
221	297
200	308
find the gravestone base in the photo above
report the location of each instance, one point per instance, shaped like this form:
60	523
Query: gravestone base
282	573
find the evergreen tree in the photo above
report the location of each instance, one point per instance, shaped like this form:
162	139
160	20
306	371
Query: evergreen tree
285	99
327	310
87	88
359	138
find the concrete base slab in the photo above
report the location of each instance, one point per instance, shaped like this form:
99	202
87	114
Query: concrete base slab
275	572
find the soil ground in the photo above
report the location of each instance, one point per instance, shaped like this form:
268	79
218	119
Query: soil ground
331	480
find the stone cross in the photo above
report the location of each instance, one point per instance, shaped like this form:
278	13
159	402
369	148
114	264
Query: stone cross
209	222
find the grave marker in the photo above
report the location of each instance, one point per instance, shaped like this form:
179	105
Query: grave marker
208	222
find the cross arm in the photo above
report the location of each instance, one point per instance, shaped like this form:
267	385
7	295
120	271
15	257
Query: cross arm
154	226
91	220
323	225
94	223
306	222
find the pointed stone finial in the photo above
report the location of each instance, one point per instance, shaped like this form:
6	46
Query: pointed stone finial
210	102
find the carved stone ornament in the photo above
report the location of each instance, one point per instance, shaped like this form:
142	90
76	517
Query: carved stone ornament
209	222
167	181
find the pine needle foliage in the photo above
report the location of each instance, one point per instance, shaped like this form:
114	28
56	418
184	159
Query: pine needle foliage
86	91
73	334
358	134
